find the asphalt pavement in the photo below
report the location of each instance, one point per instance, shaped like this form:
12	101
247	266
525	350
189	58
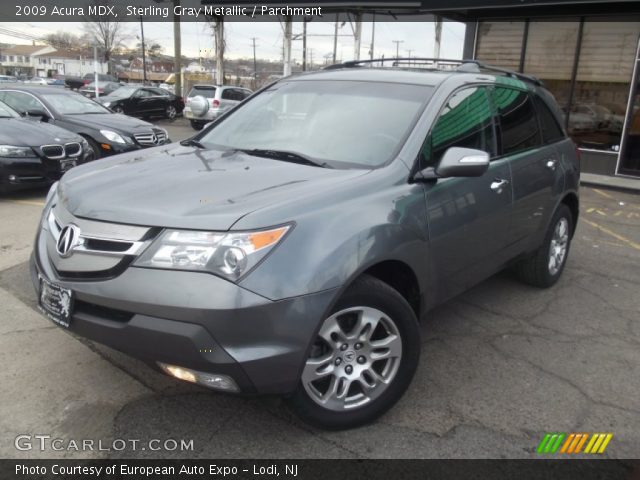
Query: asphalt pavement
501	366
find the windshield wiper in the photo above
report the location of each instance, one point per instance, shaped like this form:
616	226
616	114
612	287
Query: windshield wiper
283	155
192	142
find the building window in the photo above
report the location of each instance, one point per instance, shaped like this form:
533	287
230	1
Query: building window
500	43
603	79
550	54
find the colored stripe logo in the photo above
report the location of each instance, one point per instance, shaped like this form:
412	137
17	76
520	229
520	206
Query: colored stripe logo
571	443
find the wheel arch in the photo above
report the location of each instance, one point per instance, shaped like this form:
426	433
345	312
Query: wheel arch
572	202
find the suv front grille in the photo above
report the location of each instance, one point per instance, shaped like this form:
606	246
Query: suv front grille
155	137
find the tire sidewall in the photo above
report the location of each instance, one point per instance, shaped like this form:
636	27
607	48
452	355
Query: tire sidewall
376	294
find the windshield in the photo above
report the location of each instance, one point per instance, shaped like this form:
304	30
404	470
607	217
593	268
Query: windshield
73	104
7	112
342	123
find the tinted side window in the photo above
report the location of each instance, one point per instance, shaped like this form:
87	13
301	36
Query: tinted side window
229	94
465	121
551	131
518	125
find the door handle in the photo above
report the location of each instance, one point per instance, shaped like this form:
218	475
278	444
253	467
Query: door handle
498	184
551	164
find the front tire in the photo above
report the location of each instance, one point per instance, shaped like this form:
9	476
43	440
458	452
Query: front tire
544	267
118	109
362	360
97	153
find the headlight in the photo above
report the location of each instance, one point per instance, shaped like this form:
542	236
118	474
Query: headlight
16	152
106	104
113	136
229	255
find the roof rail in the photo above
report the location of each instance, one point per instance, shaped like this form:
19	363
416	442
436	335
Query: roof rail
468	66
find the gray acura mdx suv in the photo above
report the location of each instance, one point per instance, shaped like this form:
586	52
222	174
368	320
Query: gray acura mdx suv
291	247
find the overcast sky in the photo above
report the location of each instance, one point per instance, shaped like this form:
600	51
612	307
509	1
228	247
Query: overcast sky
418	37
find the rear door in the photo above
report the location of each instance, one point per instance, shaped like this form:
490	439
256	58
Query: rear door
468	217
534	164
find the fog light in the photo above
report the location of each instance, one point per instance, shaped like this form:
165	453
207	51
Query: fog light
179	373
215	381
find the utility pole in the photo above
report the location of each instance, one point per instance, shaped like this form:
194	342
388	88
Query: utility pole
95	67
288	24
397	42
358	35
409	55
436	46
219	30
311	58
304	44
177	50
373	36
144	56
255	65
335	38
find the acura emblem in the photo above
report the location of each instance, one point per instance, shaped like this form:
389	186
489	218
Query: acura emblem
68	240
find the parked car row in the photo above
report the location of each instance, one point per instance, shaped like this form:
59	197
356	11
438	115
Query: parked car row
75	127
35	153
42	127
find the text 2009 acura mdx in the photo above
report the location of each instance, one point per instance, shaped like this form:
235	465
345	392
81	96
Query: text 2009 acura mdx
291	247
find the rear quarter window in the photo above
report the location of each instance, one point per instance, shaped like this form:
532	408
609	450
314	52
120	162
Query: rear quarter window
517	120
549	126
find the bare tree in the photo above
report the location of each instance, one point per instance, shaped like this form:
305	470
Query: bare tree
63	40
109	36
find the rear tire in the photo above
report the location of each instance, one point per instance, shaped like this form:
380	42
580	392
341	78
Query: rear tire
170	112
366	352
545	266
197	125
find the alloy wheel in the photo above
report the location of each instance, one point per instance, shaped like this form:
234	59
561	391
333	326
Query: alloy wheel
354	359
558	247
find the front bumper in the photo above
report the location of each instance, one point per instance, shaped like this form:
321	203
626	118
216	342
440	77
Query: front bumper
195	320
19	173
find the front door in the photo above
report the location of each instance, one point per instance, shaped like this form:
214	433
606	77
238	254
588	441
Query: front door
468	217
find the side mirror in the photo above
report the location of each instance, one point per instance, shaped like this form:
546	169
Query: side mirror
457	162
38	113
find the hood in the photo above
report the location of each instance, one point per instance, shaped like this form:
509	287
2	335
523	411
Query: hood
186	187
30	133
112	121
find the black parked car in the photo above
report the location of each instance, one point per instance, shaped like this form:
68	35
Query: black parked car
106	132
35	153
143	102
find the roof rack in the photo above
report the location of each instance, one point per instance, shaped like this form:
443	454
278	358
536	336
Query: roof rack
438	64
